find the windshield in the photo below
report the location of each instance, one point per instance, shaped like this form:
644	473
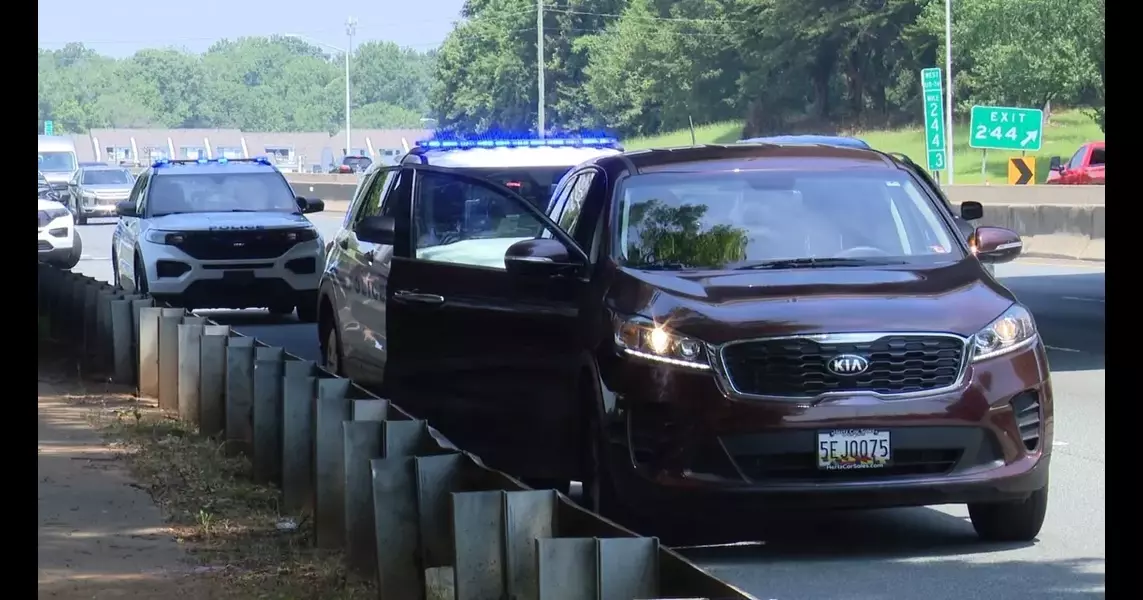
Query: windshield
220	192
535	184
107	177
43	180
57	162
743	219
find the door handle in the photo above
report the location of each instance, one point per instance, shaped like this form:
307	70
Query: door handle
418	298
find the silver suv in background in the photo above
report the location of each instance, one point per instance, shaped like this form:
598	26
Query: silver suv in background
95	190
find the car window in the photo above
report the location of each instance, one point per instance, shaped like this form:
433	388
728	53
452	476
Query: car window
570	215
1096	157
105	177
457	220
1077	159
560	200
369	199
139	193
221	192
727	219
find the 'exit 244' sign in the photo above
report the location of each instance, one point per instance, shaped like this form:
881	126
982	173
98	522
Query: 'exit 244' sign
1006	128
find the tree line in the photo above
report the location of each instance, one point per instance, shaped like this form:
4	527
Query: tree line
635	67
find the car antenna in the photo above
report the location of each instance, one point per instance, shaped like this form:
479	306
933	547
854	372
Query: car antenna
692	123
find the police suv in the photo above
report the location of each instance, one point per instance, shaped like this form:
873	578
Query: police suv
222	233
446	210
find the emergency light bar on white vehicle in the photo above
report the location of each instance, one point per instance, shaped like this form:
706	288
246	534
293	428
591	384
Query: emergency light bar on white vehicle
585	142
222	160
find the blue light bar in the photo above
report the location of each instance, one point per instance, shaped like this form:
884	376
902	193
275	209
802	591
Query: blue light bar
587	142
162	162
222	160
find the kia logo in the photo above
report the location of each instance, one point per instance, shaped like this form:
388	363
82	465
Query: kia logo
848	364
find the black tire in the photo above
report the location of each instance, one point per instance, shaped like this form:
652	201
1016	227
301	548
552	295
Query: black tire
141	286
115	282
76	253
1012	521
332	358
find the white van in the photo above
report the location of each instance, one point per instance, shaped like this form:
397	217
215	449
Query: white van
58	161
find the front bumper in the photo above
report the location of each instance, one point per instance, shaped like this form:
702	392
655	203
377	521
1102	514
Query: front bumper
248	283
679	444
89	207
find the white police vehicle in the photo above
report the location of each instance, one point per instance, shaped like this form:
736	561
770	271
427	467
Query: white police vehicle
60	244
222	233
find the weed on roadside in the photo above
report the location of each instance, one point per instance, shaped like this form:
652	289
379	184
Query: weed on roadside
233	527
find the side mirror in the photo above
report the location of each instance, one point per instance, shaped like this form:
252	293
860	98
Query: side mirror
1055	164
310	205
126	209
971	211
995	244
537	257
377	230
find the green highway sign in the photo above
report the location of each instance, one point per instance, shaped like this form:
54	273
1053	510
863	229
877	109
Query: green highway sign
1006	128
934	118
49	128
930	79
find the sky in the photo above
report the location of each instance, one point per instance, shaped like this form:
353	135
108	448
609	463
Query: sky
119	29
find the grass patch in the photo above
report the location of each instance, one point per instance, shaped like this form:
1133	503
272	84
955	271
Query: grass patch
231	526
1063	135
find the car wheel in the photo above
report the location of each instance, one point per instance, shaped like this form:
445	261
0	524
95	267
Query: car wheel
141	286
331	351
1012	521
76	253
115	282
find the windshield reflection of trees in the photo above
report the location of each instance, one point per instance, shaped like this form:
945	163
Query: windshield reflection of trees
673	237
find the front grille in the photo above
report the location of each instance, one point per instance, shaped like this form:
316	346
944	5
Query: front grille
796	367
44	246
225	245
44	219
802	466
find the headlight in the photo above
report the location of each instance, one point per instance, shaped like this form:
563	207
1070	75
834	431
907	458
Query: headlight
1012	330
645	339
167	238
302	235
56	213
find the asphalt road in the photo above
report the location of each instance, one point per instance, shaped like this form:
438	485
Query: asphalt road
929	553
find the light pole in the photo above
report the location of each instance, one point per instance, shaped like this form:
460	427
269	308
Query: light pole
350	29
540	117
949	88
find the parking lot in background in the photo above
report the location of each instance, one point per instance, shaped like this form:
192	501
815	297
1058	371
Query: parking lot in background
929	553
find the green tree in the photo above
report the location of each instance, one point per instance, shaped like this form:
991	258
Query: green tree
669	234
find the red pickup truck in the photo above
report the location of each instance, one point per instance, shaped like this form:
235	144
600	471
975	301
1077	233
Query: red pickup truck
1084	168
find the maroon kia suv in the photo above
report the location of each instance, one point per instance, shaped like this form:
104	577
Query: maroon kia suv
740	326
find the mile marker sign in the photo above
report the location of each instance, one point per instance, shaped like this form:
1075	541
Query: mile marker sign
934	118
1006	128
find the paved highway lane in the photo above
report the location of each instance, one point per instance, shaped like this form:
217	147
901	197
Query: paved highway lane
929	553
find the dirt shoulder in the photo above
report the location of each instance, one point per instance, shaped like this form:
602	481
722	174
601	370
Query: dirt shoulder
100	535
135	504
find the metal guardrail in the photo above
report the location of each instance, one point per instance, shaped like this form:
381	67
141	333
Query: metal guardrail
411	511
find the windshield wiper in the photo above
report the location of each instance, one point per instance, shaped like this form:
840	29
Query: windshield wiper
815	263
663	266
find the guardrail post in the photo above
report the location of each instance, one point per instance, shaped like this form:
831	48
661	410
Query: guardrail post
105	345
89	342
362	444
332	409
299	392
212	381
169	321
137	307
149	351
528	516
267	418
478	536
189	368
395	527
239	392
437	478
615	567
369	410
121	341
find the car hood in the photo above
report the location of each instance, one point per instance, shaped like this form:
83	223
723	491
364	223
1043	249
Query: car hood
49	205
720	306
57	176
227	221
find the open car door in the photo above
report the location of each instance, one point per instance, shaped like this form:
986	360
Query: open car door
483	307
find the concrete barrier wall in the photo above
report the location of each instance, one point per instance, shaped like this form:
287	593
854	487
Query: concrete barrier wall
420	518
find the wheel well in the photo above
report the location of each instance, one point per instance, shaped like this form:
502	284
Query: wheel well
325	319
587	388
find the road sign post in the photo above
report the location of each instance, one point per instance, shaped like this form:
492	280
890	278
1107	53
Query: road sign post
49	128
935	147
1006	128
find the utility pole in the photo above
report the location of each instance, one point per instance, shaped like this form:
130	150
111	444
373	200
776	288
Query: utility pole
540	125
350	29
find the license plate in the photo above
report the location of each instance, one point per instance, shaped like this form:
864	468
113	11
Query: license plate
843	449
238	275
